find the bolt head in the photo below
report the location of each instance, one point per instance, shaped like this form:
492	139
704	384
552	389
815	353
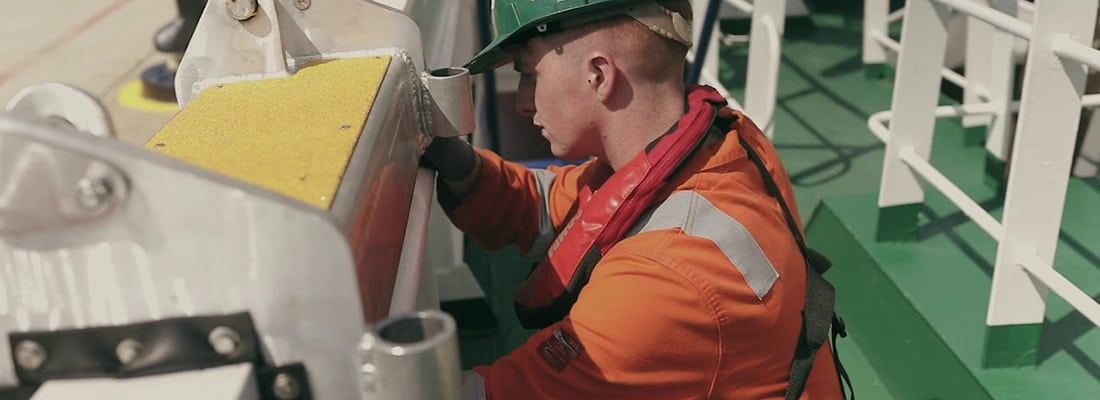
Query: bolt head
225	341
30	355
302	4
93	194
241	10
128	350
286	387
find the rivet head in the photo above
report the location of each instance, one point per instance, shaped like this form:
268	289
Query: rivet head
128	350
302	4
30	355
241	10
285	387
225	341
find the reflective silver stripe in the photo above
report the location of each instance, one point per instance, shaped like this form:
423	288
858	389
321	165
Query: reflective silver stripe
697	216
542	242
473	386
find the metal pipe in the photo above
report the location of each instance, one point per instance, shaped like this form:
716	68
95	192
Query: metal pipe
411	356
968	206
896	15
411	271
995	18
452	100
949	75
877	122
742	5
886	41
488	79
1057	282
1065	47
1089	100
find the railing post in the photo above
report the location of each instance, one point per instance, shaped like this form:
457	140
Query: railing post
977	69
916	93
999	83
1040	167
875	14
765	55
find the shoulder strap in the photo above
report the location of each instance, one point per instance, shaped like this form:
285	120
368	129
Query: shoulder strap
820	298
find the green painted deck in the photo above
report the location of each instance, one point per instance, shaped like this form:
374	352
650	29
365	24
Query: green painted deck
915	310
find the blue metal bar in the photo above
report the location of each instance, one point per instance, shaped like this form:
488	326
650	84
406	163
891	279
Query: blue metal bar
709	18
489	116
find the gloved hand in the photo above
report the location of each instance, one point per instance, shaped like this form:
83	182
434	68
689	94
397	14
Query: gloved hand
456	162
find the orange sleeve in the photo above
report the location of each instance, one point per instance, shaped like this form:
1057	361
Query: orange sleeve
507	206
638	331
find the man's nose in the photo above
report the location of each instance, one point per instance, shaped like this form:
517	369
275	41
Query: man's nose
525	100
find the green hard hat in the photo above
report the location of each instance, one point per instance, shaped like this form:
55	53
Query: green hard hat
513	19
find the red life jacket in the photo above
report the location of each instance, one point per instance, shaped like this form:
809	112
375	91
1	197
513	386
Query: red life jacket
604	216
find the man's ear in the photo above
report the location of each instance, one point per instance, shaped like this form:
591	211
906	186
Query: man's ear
602	75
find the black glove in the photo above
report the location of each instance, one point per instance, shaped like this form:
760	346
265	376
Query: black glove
454	159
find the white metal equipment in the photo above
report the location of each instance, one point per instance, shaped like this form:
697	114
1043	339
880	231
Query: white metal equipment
96	234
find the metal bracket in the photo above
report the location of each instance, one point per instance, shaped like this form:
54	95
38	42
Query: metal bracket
152	348
44	187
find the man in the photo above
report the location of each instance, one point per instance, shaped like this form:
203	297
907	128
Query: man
671	271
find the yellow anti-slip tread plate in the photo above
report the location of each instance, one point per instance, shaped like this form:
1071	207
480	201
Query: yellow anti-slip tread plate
290	135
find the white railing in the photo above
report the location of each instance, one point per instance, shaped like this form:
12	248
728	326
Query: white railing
765	49
988	55
1045	134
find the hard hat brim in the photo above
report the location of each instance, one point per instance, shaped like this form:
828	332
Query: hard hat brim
491	57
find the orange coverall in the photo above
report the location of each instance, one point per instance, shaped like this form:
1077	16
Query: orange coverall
665	314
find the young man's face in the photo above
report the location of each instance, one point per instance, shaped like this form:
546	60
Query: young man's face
553	92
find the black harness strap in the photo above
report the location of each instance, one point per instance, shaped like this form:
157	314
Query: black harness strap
819	312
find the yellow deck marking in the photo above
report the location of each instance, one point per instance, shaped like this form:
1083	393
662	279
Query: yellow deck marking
130	96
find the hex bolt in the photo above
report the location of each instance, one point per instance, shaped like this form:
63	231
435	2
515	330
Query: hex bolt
128	350
30	355
285	387
225	341
93	194
302	4
241	10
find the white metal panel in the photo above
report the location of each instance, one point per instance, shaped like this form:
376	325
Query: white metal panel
1042	154
185	242
916	92
230	382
